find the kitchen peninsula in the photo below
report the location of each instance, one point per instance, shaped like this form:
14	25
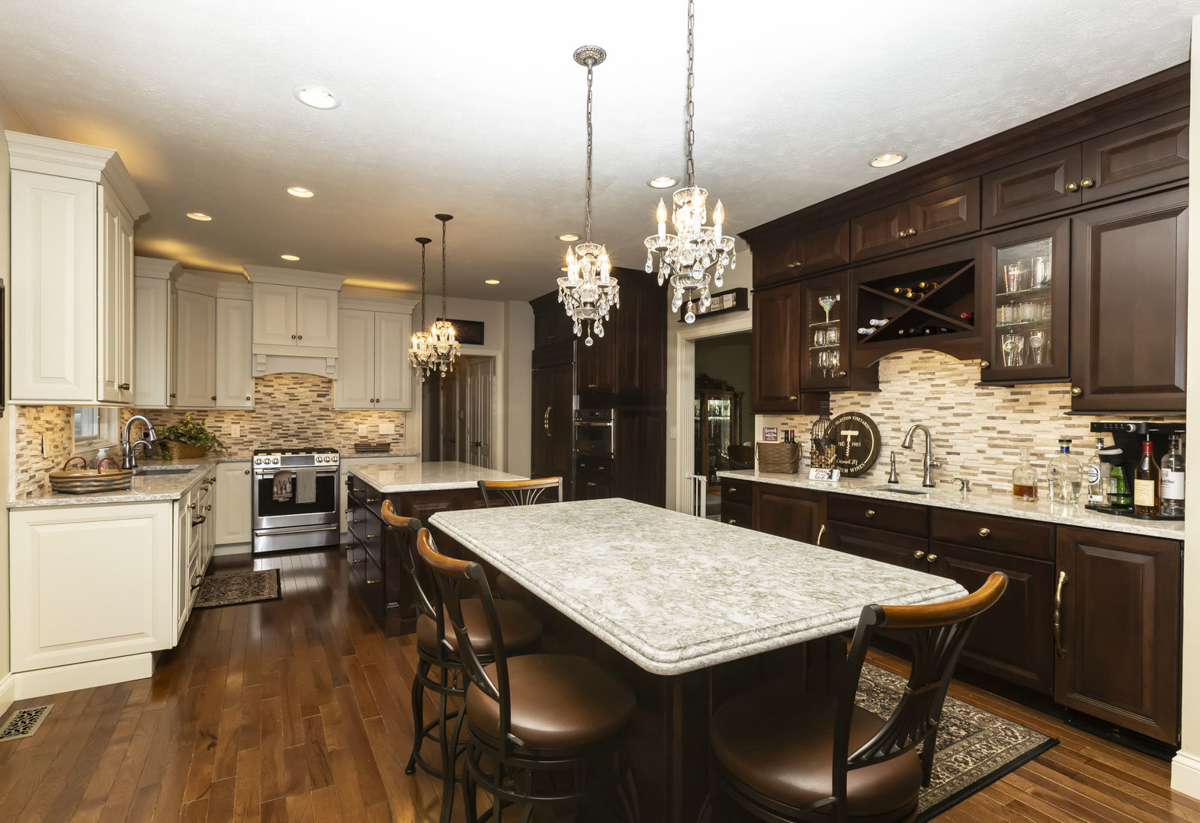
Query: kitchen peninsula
415	490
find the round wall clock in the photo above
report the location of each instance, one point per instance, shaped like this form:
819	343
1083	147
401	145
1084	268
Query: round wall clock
856	443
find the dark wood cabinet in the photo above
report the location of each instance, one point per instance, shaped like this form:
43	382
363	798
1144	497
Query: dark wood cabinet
927	218
1145	154
1129	305
878	544
882	231
777	343
1035	187
797	514
640	454
810	253
550	439
550	323
1119	646
737	514
825	347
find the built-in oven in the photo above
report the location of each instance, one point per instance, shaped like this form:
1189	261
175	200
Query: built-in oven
593	433
292	510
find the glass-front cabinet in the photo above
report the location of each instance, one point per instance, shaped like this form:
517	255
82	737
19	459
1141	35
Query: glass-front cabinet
718	426
1025	286
825	339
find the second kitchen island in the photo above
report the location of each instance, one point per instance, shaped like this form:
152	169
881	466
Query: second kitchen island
416	490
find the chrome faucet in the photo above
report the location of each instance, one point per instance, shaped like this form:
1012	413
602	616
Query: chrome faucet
928	463
129	450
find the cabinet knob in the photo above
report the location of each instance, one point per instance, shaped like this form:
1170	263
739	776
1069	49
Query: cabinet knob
931	558
1087	182
208	508
590	483
1076	391
793	397
299	337
213	398
197	579
870	512
918	554
984	532
911	232
123	387
731	490
247	471
247	397
983	364
1072	187
731	521
172	397
841	374
372	536
293	337
899	235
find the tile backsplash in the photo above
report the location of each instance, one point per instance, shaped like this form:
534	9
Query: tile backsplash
43	439
978	431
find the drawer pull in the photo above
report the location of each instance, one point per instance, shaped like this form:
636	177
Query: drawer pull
870	512
1058	646
197	579
820	533
793	397
985	531
372	582
1087	182
359	560
931	558
918	554
372	499
731	521
1072	186
372	536
732	489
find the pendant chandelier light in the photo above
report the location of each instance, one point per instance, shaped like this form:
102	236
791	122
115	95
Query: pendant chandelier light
445	347
421	353
589	291
695	254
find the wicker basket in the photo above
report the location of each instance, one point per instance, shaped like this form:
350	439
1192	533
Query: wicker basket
89	481
778	457
180	451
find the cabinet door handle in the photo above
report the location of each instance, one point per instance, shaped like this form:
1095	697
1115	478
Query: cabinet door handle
546	420
123	387
931	558
213	398
1087	182
918	554
820	533
372	499
983	364
172	397
1058	590
911	232
359	560
1076	391
899	234
841	374
984	532
1072	187
372	536
731	521
731	490
208	508
870	512
590	483
199	521
197	579
793	397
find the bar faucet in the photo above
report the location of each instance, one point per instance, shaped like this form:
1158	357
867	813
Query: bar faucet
129	450
928	463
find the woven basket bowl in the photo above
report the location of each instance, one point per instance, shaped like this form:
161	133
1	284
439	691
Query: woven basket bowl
778	458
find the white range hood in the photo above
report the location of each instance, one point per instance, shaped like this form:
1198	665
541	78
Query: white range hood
295	320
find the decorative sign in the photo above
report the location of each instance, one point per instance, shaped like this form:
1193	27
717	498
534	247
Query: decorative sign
771	434
468	332
825	475
856	443
732	300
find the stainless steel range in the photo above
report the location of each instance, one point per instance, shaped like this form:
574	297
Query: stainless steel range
296	502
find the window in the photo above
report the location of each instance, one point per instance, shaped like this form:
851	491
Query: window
95	427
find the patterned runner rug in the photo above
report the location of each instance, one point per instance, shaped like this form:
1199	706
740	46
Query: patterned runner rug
974	748
236	588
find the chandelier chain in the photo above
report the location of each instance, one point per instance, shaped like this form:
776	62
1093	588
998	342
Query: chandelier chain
587	227
690	134
422	286
444	269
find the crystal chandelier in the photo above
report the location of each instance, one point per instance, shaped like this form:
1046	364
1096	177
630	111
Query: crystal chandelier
589	291
695	254
445	347
421	353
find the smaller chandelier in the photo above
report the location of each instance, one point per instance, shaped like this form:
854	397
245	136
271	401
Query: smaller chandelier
589	291
421	355
441	333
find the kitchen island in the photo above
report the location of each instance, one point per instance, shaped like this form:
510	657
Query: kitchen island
415	490
680	608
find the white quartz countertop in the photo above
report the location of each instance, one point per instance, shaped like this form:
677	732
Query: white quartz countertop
399	478
948	497
676	593
161	481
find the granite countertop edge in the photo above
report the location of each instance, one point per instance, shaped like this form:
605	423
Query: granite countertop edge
991	503
173	486
365	473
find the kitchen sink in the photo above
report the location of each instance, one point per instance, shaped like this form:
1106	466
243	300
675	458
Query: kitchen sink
913	490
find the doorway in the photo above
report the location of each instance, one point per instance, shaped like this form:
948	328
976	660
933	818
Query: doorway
459	410
723	428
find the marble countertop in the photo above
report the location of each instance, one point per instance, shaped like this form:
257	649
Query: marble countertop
676	593
379	456
399	478
157	483
947	497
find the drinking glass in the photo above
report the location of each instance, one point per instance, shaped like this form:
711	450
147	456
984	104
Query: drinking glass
1046	310
1004	314
827	301
1028	312
1037	343
819	337
1013	344
831	336
1041	272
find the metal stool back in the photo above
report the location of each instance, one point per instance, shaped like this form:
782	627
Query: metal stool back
520	492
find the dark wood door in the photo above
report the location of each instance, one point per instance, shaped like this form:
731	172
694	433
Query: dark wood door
823	249
797	514
551	447
640	455
775	260
777	341
825	348
1129	305
1035	187
1034	318
882	231
944	213
1119	656
1014	639
597	369
878	544
1146	154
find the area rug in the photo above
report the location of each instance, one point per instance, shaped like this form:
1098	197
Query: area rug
236	588
974	748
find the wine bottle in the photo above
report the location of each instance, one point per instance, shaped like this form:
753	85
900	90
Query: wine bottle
867	331
1145	483
907	294
927	285
1171	480
883	321
969	316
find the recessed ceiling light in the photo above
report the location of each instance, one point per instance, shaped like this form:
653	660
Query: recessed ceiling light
318	97
300	191
291	258
492	282
199	215
889	159
568	238
661	182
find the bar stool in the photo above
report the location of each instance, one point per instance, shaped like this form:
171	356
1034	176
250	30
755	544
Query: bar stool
784	755
549	726
518	629
517	493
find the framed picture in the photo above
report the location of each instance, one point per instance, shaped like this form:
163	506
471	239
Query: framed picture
468	332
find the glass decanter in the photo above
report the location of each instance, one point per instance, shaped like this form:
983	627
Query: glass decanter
1064	475
1025	478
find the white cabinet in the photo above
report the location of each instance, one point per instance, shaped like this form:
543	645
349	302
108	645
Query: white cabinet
154	338
73	209
95	583
296	317
232	503
196	347
234	375
316	318
274	315
373	367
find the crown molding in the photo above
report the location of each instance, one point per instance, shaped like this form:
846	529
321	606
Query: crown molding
156	268
294	277
362	298
45	155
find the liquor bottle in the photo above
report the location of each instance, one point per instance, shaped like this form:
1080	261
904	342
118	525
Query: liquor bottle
1170	482
969	316
1119	497
879	323
1064	475
1145	483
1025	478
1097	494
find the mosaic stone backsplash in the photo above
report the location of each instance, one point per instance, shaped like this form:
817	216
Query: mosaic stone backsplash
32	426
978	431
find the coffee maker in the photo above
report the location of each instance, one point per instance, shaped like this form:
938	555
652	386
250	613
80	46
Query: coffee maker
1126	452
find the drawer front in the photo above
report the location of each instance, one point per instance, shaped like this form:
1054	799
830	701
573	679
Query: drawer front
736	491
876	544
601	467
903	518
1000	534
735	514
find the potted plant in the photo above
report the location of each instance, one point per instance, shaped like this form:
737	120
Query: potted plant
188	438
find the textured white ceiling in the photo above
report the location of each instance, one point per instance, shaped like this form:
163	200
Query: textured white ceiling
476	109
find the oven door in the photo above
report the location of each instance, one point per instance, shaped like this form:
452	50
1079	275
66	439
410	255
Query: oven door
594	439
270	513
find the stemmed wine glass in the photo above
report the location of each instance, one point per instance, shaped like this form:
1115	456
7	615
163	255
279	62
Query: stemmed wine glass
827	302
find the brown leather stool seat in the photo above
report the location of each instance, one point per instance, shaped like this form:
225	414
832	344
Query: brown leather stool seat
778	741
520	629
558	702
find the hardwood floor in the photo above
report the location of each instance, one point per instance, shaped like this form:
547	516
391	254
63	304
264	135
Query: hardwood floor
298	710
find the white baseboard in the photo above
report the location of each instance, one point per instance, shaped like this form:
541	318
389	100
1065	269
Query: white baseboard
1185	774
8	692
231	548
41	682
